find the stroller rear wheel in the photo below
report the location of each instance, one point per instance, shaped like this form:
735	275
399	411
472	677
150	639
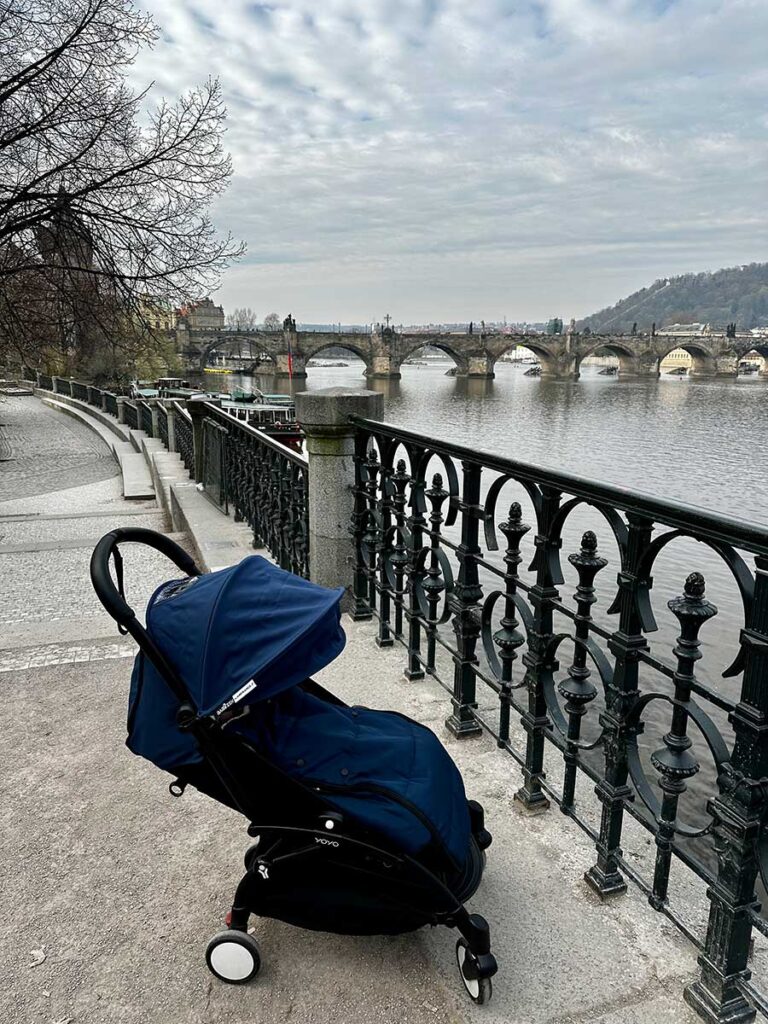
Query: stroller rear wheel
233	957
479	990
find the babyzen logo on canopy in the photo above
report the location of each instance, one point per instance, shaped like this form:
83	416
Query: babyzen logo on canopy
242	692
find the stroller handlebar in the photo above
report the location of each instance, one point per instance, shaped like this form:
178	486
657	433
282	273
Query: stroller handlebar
101	578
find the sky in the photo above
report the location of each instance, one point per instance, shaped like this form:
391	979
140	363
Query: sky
444	160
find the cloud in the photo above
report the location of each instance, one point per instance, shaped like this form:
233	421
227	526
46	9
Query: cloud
496	158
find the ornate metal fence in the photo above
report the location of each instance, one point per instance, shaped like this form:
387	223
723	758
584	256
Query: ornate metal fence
111	403
420	569
79	391
145	418
162	424
265	484
131	415
185	446
215	462
45	381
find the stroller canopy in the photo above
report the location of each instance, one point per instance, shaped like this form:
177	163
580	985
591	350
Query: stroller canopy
240	635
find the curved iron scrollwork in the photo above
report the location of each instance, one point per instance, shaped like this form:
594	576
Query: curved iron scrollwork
503	628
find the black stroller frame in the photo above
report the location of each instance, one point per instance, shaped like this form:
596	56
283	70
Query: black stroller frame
233	954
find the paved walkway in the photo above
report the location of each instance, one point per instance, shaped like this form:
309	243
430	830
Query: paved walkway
60	490
113	888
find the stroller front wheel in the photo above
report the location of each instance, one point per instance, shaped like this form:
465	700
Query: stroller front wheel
479	990
233	957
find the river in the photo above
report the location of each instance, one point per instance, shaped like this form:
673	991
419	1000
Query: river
698	441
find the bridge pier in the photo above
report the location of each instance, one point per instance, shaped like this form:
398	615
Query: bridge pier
299	365
644	366
706	366
479	364
383	366
559	366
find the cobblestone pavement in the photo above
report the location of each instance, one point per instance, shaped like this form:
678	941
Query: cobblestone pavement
47	451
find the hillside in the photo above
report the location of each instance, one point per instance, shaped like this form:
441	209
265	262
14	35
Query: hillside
736	294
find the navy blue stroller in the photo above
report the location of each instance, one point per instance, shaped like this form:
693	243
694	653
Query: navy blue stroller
359	818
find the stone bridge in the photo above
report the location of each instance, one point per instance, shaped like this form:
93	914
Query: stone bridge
385	350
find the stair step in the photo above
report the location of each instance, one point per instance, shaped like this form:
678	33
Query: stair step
137	480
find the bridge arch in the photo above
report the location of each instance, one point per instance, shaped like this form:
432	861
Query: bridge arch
262	346
551	364
632	363
310	351
460	361
704	361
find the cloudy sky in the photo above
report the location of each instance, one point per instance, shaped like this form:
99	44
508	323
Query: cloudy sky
456	159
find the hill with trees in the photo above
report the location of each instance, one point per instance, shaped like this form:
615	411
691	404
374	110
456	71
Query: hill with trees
720	297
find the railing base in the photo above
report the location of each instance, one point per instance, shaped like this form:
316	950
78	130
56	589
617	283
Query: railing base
463	728
413	674
530	803
361	614
606	886
732	1011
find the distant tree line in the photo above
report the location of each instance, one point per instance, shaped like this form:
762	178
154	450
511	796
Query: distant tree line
735	295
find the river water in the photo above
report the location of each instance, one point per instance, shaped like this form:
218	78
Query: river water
697	441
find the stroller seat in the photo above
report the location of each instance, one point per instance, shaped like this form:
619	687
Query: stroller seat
360	821
387	772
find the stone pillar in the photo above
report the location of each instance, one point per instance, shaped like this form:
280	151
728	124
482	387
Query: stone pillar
324	417
121	400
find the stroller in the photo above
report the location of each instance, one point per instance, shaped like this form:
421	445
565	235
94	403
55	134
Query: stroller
359	820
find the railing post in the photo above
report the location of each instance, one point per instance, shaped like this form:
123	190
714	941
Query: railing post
739	812
625	644
464	603
537	658
121	408
324	418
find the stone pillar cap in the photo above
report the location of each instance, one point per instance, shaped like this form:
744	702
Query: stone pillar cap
332	407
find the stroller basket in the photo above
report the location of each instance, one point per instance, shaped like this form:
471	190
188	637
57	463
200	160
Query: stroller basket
360	819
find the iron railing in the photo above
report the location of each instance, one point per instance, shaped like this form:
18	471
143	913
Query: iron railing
214	463
264	482
420	568
45	381
78	390
145	418
162	424
185	444
131	415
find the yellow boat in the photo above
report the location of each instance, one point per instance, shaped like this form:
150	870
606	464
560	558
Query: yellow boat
216	369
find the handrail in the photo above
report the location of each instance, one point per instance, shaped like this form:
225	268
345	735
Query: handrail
713	525
281	449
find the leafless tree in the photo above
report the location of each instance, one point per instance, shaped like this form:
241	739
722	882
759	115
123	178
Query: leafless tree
272	322
242	319
103	198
